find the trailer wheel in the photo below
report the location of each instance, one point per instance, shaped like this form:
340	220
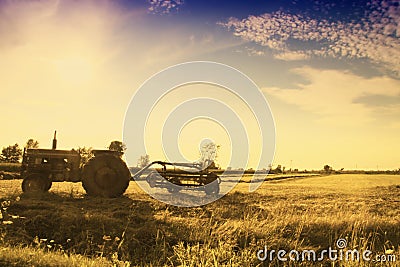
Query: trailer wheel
173	189
174	185
212	189
212	186
36	183
152	179
105	176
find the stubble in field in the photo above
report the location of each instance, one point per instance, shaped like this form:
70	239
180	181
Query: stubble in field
306	213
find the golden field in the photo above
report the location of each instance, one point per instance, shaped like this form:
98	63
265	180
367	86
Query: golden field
67	228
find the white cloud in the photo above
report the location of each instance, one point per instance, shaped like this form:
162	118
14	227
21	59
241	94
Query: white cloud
164	6
376	36
331	94
251	51
292	56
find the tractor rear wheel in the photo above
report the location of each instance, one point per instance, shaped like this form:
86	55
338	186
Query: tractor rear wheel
36	183
105	176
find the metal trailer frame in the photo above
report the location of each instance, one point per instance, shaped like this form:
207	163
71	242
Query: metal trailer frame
177	179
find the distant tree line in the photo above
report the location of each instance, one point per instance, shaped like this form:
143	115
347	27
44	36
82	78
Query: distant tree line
13	153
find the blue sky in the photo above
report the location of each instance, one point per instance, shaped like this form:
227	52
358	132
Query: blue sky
330	71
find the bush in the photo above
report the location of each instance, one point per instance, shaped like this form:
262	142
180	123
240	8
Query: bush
10	167
11	154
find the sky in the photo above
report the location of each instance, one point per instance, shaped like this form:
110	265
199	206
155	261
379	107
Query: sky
330	71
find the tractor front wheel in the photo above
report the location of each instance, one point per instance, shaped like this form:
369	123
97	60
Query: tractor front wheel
105	176
36	183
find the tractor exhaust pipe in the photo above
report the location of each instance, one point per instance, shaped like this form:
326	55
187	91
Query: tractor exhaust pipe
55	140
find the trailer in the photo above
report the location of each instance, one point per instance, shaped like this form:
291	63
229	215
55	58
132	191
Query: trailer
179	176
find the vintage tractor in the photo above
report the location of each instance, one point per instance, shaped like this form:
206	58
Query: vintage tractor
180	176
105	174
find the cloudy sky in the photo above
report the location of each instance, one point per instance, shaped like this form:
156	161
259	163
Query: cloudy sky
330	71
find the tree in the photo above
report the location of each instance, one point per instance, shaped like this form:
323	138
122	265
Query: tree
209	154
327	168
85	153
143	161
11	154
117	146
278	169
32	144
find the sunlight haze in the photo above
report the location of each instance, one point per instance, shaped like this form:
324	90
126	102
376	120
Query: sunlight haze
73	66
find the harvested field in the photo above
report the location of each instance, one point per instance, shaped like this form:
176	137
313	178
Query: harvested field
68	228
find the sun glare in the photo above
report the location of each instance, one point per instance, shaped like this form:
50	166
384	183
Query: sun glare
74	70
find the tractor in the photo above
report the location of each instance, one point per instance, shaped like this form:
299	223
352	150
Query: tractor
104	175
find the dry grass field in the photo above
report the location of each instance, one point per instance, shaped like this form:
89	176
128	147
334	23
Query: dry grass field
67	228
